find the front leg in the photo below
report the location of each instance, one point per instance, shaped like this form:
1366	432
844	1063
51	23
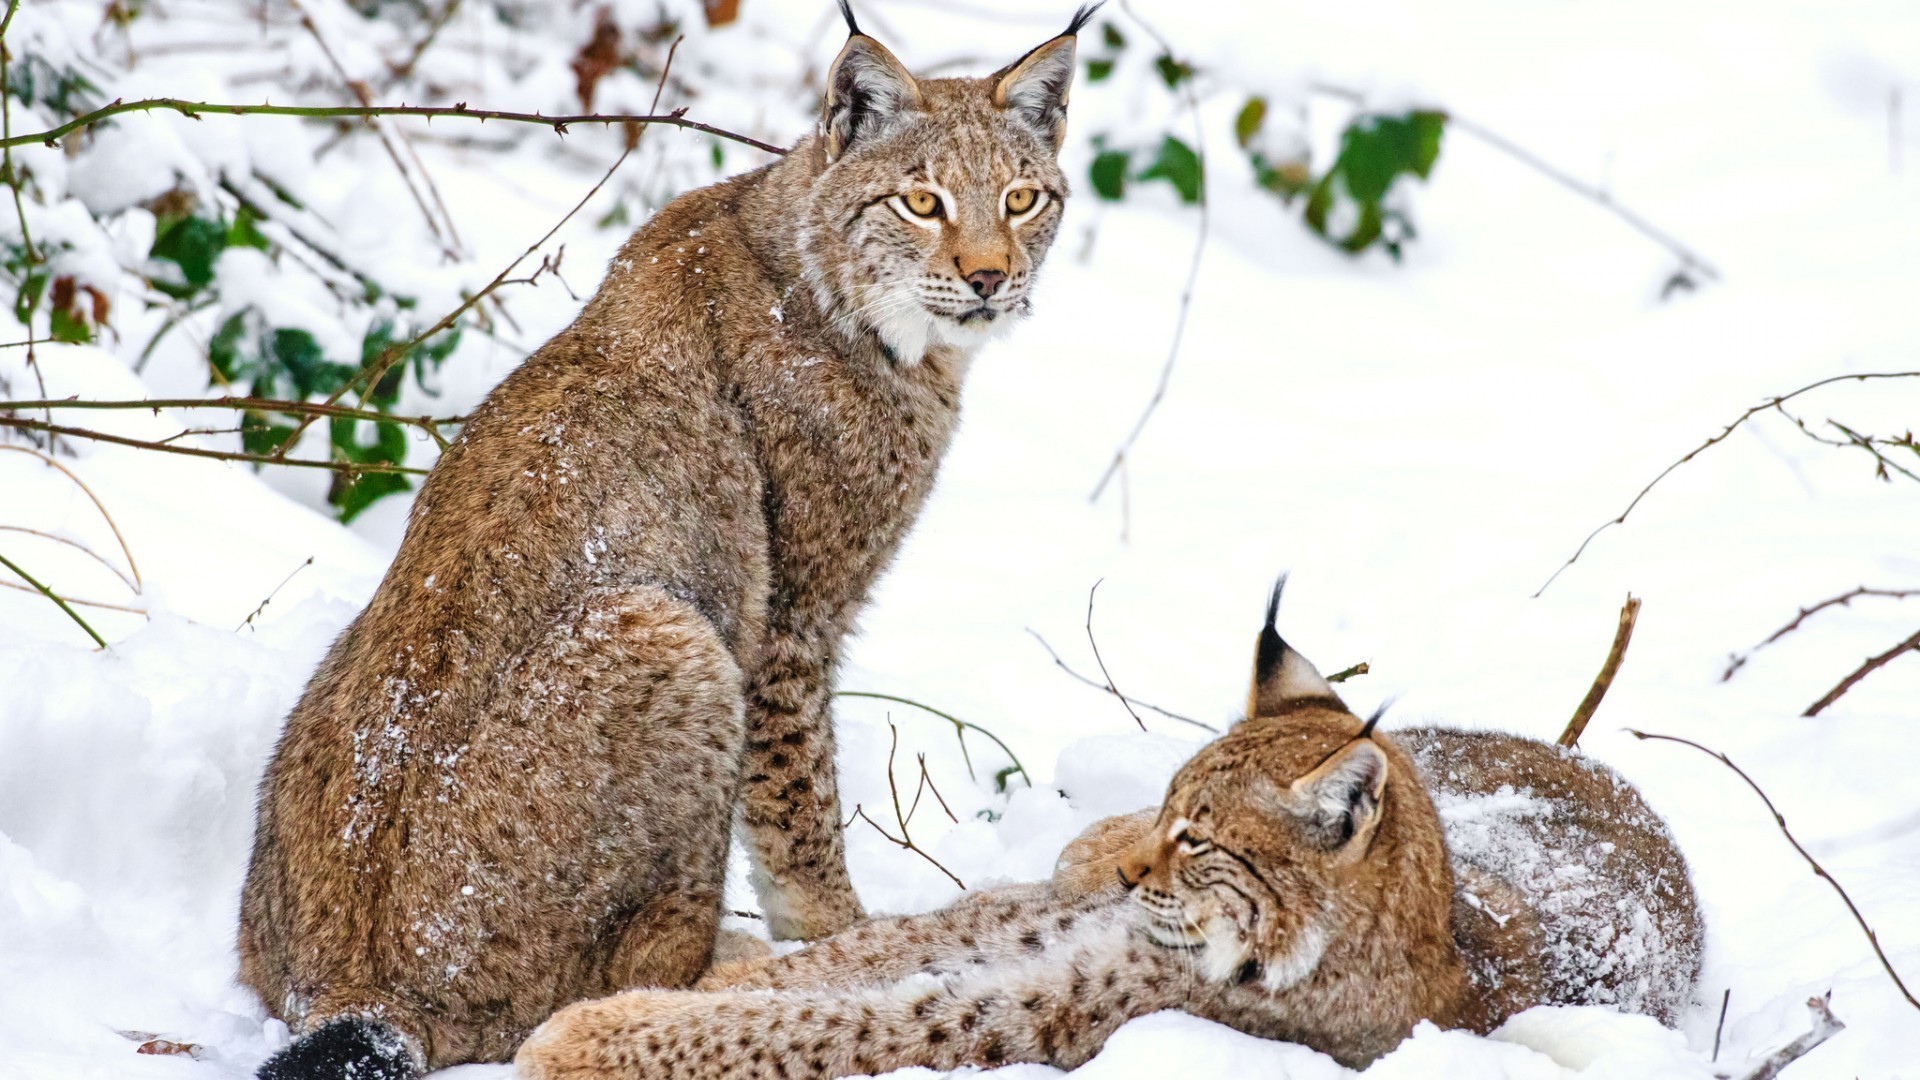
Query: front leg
1056	1008
789	798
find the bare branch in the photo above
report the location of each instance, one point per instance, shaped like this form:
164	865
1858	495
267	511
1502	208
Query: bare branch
248	621
1825	1026
1737	661
1872	664
1873	939
348	467
1186	293
57	599
960	729
193	110
1112	689
1720	1028
1770	403
1344	674
905	840
1629	612
132	567
1104	688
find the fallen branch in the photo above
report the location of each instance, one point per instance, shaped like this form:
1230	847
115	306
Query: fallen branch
1629	612
1770	403
1104	688
193	110
1825	1026
1186	293
905	839
1726	998
1736	661
1873	939
960	729
1872	664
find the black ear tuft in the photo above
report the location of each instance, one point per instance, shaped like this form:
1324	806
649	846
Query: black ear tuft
1267	654
1366	730
1080	18
846	12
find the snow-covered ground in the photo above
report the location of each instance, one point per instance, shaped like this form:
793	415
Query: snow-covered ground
1420	445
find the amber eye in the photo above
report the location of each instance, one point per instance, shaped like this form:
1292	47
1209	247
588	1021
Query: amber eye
923	203
1020	200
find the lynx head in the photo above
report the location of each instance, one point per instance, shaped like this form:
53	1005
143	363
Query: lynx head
936	199
1295	830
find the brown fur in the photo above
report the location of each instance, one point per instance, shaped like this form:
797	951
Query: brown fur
1296	884
618	607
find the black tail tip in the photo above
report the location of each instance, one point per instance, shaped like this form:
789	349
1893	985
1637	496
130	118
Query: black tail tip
347	1048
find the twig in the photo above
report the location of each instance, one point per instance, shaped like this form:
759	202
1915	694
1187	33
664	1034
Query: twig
429	424
81	548
1629	612
399	73
1770	403
1104	688
102	604
193	110
113	526
1186	293
1819	871
1344	674
1872	444
1114	690
31	253
905	840
1825	1026
248	621
348	467
960	728
57	599
1737	661
1687	256
1872	664
1720	1027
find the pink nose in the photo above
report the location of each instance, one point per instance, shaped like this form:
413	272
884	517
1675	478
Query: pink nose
984	282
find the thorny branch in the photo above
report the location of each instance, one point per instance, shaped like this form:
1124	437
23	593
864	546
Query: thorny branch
56	598
905	839
1112	689
1629	612
960	729
1186	293
1820	871
193	110
348	467
1736	661
1107	689
1872	664
1825	1026
429	424
1770	403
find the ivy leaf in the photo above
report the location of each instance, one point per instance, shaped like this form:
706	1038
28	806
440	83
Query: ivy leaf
260	435
1172	72
224	349
1178	165
244	232
1109	173
1375	151
355	493
1247	124
298	354
1098	70
193	244
1111	36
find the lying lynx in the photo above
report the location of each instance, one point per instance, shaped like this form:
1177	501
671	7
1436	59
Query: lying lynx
1297	884
616	614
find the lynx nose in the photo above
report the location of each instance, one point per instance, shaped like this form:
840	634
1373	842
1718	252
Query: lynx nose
984	282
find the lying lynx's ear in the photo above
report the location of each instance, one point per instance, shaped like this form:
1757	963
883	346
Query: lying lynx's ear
1280	674
1035	86
1342	798
867	90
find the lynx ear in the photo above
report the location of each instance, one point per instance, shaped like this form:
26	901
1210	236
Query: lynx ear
1342	798
867	90
1280	674
1034	87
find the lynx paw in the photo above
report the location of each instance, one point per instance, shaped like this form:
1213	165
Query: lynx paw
1090	863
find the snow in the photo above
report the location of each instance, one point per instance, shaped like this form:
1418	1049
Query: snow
1420	445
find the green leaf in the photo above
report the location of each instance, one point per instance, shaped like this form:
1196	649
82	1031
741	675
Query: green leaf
1376	149
27	300
298	354
1247	124
389	445
1109	173
224	349
260	435
355	493
1178	165
1172	72
193	244
1098	70
1111	36
243	233
70	327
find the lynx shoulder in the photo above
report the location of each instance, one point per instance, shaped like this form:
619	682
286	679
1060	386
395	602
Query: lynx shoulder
622	591
1306	879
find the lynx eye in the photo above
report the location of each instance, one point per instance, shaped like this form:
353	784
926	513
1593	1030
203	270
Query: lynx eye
923	203
1021	200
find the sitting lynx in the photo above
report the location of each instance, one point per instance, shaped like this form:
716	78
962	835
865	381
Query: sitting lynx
1297	884
610	634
